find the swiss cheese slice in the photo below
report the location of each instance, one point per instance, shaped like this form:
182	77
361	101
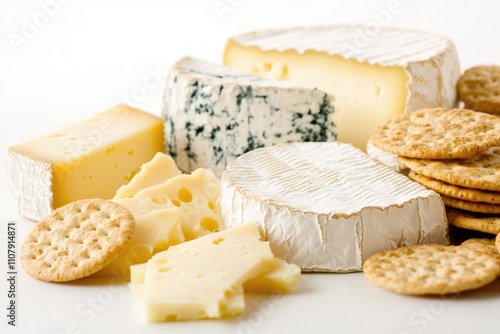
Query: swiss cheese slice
372	77
161	168
329	206
88	159
203	278
157	228
213	114
283	277
196	195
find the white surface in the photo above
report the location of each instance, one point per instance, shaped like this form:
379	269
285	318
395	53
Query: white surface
90	54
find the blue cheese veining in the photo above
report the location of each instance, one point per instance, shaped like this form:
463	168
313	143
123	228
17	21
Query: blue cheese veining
213	114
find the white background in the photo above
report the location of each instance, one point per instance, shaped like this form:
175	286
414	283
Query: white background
81	57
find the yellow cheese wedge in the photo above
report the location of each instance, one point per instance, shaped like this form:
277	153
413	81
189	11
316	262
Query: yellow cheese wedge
196	195
161	168
88	159
203	278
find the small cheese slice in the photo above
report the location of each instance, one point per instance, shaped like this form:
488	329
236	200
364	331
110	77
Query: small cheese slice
373	77
214	114
329	206
88	159
161	168
196	195
157	228
203	278
282	278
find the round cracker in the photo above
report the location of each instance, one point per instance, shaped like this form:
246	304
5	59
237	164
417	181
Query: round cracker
484	245
479	241
497	242
454	191
479	89
431	269
438	134
480	172
473	221
471	206
77	240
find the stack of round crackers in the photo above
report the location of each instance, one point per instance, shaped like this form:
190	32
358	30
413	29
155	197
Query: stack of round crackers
456	153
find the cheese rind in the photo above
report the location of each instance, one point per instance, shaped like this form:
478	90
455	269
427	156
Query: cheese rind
87	159
214	114
387	158
328	206
389	73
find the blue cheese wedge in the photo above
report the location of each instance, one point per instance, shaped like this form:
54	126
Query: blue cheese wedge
329	206
214	114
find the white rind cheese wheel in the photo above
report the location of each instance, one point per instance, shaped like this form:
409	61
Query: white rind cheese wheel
329	206
373	76
387	158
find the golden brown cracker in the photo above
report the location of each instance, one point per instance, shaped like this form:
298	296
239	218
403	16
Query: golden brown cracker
480	172
77	240
479	89
438	134
471	206
431	269
454	191
473	221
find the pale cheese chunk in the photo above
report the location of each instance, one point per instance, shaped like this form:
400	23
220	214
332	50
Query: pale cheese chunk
161	168
157	228
282	278
203	278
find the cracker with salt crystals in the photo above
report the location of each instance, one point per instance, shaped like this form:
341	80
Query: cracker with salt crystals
473	221
454	191
479	89
438	134
431	269
480	172
77	240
